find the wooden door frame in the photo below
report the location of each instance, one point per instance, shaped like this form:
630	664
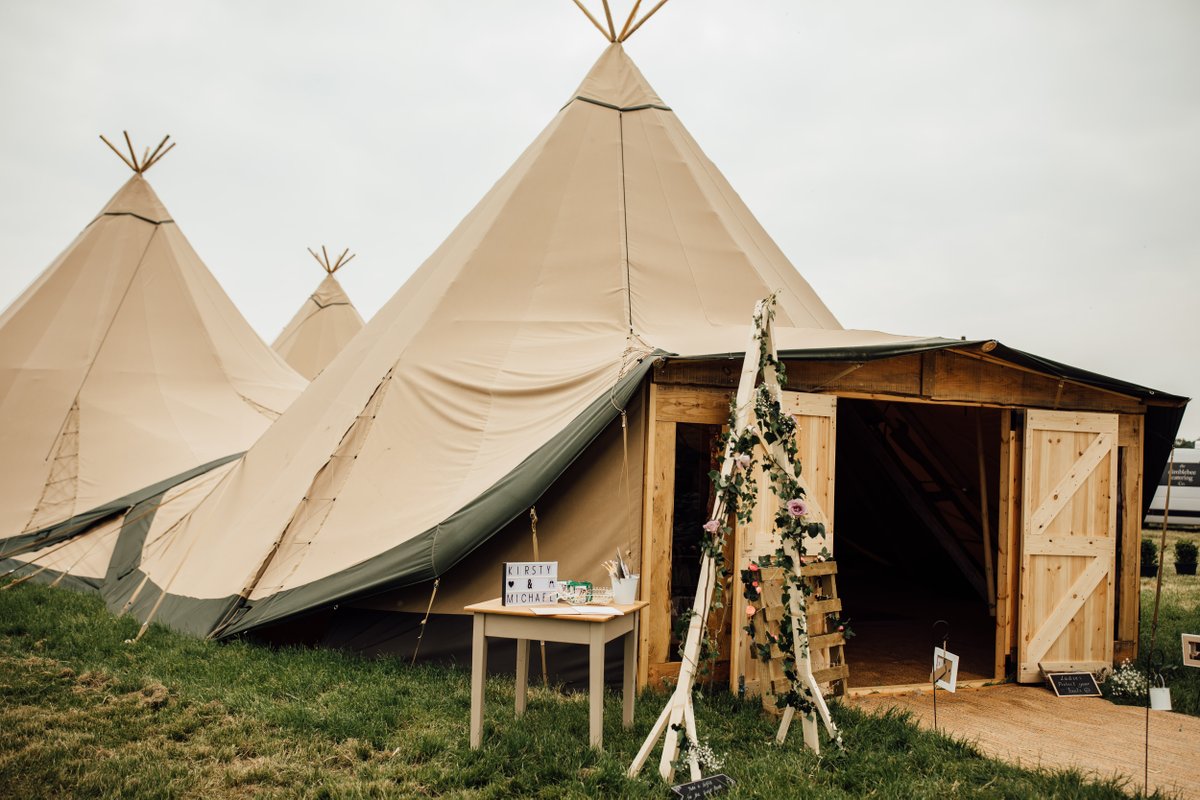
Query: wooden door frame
668	406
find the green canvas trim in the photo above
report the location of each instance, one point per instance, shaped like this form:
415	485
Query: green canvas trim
127	552
82	523
431	553
603	104
14	569
191	615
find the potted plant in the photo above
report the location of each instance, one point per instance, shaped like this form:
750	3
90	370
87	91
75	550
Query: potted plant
1149	559
1185	557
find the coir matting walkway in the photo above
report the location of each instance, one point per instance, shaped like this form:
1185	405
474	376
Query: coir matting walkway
1031	727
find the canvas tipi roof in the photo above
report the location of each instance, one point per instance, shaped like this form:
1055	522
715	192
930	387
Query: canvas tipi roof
610	239
323	325
124	365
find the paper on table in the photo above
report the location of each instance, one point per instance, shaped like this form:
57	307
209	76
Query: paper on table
586	611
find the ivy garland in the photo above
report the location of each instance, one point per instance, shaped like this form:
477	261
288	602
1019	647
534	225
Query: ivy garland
740	493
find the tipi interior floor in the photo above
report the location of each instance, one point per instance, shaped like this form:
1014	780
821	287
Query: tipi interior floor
893	642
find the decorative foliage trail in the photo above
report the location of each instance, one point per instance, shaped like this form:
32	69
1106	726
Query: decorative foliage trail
736	493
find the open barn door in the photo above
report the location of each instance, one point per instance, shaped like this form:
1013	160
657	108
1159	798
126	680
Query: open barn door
816	436
1068	545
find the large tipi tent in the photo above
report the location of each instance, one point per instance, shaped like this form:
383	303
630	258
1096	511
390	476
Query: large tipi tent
323	325
124	370
491	370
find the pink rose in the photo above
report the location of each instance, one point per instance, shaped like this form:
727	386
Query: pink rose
841	628
712	526
753	567
743	461
750	611
797	507
754	583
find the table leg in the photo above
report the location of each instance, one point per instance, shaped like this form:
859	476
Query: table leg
596	686
478	675
522	674
629	679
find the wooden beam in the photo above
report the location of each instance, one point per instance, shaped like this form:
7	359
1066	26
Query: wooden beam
629	20
648	481
642	21
985	517
612	32
588	14
657	630
1004	543
943	377
688	404
118	152
137	167
1129	580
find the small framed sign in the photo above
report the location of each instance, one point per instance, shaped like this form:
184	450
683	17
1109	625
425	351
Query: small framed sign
1074	684
1191	649
945	669
529	583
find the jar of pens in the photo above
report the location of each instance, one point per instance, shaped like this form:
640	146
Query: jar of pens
624	584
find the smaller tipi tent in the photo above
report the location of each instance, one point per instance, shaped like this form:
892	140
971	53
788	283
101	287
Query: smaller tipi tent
323	325
124	370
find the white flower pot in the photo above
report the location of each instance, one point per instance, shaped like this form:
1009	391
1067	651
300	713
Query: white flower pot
625	591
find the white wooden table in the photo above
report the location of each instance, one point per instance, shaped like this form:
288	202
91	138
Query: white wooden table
493	619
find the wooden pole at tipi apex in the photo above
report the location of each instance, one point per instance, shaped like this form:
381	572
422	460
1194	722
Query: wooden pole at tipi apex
612	32
323	262
629	21
679	713
642	21
148	160
594	21
342	260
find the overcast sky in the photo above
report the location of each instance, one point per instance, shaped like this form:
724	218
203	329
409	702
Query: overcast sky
1025	171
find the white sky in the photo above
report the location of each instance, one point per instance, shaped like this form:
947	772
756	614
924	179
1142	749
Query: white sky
1020	170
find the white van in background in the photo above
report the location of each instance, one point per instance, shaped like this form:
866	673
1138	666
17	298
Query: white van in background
1185	492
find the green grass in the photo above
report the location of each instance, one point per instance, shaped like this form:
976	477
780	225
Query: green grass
1179	612
85	714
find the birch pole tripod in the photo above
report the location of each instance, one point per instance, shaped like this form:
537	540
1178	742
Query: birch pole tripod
679	714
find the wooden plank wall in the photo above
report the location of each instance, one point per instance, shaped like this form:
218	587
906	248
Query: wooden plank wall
943	376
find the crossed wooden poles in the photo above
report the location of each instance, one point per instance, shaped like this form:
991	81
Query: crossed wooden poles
679	712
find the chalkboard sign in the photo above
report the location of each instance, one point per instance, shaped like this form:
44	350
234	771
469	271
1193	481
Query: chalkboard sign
1073	684
705	787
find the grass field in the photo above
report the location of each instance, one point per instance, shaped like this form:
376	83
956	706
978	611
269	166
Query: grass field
1179	612
84	714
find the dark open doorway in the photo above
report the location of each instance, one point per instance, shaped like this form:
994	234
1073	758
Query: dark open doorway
909	537
697	453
